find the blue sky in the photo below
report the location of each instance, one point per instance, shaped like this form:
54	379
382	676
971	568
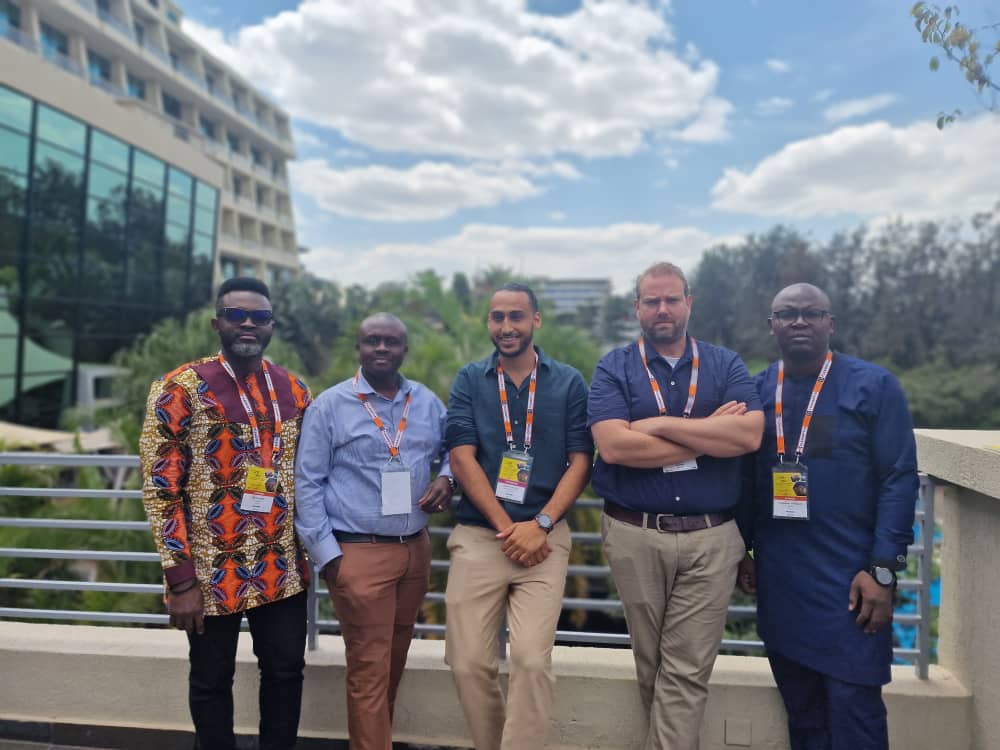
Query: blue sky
591	138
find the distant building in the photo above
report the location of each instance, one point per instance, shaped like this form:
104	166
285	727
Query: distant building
580	300
136	171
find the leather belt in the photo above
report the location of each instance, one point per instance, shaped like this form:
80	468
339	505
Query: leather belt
350	537
666	521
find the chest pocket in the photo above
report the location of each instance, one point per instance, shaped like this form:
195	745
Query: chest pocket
820	441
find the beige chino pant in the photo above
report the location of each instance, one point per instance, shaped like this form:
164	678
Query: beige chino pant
482	584
675	588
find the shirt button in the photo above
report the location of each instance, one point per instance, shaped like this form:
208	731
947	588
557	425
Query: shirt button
677	499
517	421
672	382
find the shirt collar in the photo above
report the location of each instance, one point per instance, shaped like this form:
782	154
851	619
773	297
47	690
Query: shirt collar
654	356
363	387
544	361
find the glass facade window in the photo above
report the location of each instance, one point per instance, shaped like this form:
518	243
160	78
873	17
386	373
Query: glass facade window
114	241
257	155
230	268
172	106
140	33
136	87
208	128
234	142
10	16
98	67
55	44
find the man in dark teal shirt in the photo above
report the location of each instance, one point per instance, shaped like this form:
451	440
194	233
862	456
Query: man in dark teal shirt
520	449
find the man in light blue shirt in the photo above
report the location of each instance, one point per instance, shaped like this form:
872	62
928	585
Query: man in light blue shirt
363	491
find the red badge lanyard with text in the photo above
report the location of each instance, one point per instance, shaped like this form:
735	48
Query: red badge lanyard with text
790	481
515	465
395	476
261	481
691	463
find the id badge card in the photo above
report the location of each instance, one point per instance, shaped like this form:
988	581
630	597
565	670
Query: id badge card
515	474
396	498
261	487
690	465
791	491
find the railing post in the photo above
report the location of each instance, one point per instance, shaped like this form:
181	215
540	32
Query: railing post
925	572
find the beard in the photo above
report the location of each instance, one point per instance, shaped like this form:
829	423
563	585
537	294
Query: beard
522	345
246	349
664	334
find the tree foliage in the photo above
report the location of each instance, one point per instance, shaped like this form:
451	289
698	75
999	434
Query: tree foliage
963	45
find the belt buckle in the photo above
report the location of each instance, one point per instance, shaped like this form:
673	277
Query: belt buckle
663	515
402	539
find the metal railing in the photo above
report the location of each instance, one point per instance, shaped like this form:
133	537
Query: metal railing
20	38
117	467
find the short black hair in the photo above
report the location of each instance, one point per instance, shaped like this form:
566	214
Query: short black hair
517	286
242	284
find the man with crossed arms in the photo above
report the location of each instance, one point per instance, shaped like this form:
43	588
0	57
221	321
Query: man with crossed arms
670	416
363	478
517	430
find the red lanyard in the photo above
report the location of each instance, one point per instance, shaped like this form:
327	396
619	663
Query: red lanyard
529	419
692	387
391	443
248	407
779	422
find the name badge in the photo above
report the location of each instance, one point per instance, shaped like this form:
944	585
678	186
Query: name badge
260	489
791	491
515	474
690	465
396	497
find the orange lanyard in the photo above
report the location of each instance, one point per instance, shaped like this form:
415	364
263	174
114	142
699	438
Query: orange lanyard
529	418
779	422
391	443
248	407
692	388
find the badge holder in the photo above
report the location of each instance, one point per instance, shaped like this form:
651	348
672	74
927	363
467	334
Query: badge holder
396	493
261	487
514	477
791	491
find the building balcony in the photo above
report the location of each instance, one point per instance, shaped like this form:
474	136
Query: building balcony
50	670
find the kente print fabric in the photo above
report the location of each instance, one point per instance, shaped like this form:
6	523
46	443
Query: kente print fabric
195	448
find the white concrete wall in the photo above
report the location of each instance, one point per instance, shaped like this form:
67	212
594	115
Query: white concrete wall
969	512
135	677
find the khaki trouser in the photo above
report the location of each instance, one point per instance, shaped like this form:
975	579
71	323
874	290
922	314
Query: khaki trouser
378	593
482	584
675	588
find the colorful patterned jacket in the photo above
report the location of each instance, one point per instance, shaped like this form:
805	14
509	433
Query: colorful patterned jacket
195	447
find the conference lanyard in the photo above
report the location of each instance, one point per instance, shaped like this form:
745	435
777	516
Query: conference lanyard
529	419
779	422
248	407
392	443
692	387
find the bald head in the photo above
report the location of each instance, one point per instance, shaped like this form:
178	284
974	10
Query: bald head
801	295
382	320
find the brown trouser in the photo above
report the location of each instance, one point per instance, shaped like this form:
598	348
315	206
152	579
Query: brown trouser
675	588
378	593
482	584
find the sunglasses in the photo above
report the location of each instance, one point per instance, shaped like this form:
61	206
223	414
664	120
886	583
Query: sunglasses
237	316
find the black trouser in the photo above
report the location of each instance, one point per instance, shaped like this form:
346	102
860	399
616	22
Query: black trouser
279	641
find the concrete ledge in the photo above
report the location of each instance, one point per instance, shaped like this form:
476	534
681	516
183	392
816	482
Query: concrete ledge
962	457
130	677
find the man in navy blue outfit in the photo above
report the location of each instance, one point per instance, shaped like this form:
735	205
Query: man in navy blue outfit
834	491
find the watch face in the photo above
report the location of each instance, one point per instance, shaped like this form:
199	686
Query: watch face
544	521
884	576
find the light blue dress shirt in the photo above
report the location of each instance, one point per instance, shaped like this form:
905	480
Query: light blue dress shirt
338	483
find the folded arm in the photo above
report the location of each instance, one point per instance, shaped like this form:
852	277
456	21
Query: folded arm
720	435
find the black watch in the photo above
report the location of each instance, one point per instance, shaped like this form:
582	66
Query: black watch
544	522
885	577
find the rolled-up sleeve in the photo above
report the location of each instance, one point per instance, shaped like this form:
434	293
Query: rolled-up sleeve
313	464
740	386
461	420
578	439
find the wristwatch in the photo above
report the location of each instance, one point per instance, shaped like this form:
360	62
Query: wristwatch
885	577
544	522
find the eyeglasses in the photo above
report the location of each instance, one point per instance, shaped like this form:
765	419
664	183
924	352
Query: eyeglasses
514	316
237	316
791	315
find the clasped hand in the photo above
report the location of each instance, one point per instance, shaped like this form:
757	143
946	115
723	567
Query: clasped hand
525	542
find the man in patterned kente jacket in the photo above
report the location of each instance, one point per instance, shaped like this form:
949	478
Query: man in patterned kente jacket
218	449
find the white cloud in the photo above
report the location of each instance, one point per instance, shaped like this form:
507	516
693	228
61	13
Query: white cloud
481	80
822	95
775	105
618	251
872	170
423	192
778	66
851	108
